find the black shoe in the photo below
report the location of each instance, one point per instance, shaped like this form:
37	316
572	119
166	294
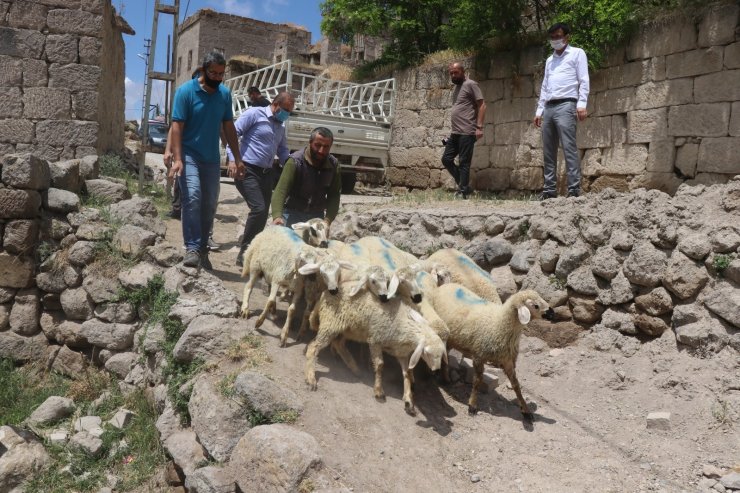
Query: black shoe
175	214
212	245
205	262
575	193
460	194
192	259
546	195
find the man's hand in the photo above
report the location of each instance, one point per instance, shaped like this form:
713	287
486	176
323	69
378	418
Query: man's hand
236	170
167	158
478	134
582	114
175	169
538	121
279	221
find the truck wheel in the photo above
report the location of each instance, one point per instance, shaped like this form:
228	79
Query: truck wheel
348	182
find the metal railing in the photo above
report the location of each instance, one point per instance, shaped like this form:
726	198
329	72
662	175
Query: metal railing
371	102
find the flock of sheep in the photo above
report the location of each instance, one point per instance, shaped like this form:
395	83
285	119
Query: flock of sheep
372	292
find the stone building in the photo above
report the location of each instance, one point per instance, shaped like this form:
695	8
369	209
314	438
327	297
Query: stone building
56	58
208	30
665	109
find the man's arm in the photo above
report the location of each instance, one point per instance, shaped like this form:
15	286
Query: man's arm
176	133
281	191
335	191
236	166
167	156
584	85
282	151
481	118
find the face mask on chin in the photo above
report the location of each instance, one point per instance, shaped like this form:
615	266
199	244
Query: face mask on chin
557	44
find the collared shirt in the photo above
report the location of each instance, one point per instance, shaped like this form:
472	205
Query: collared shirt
261	136
566	76
464	117
203	114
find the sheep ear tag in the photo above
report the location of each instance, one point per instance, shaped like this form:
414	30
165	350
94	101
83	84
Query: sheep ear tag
524	315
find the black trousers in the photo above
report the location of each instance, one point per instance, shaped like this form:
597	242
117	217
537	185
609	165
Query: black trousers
256	188
462	146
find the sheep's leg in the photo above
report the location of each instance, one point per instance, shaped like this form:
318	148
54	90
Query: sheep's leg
408	381
445	370
297	293
310	302
477	380
510	371
247	293
321	340
376	354
270	305
340	347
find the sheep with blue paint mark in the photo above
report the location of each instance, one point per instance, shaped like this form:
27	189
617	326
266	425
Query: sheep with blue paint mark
487	332
315	232
463	270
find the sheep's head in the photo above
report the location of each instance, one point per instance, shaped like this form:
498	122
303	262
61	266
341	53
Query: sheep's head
440	273
378	281
328	268
407	284
531	305
431	349
315	232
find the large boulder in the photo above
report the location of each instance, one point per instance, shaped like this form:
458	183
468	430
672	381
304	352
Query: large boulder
107	190
209	336
24	457
25	171
265	396
51	410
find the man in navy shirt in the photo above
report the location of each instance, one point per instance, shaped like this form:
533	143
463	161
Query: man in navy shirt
261	133
202	109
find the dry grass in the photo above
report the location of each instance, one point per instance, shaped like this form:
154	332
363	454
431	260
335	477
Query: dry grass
444	57
250	351
89	385
338	71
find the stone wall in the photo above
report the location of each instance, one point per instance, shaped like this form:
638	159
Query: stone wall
56	56
207	30
664	110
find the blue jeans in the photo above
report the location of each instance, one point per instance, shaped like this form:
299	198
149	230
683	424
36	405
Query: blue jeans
199	186
559	127
291	217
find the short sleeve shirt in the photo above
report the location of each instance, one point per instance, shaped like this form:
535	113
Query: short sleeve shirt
465	99
203	115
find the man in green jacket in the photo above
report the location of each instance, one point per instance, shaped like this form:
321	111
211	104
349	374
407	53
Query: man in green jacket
310	184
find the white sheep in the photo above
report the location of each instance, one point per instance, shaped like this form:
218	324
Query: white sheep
463	270
277	254
315	232
487	332
393	327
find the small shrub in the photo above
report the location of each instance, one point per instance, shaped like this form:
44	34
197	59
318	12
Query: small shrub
226	385
721	262
558	282
112	165
306	486
524	227
250	350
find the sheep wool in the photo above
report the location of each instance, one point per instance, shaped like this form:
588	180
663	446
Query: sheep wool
463	270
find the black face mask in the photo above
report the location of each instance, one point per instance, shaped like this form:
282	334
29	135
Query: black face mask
212	83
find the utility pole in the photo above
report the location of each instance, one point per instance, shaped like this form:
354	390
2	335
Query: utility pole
168	77
147	46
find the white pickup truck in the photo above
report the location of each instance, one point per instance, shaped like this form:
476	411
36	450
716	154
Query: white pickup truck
359	115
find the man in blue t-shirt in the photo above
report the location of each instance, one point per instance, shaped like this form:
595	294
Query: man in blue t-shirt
202	109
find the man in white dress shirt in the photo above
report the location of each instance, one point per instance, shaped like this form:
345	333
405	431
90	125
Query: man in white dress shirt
562	102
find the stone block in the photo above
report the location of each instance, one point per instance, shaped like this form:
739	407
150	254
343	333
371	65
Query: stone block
481	157
735	120
81	77
618	160
492	179
687	157
718	25
507	111
65	175
528	157
699	120
594	132
48	153
89	50
65	21
16	272
522	87
721	86
530	60
35	73
527	179
732	55
665	182
410	137
661	156
25	171
618	183
400	157
21	236
647	125
67	133
14	131
614	101
509	133
502	65
662	39
406	119
694	62
665	93
599	81
619	129
492	89
46	103
21	43
28	15
11	71
11	102
19	204
654	69
504	156
719	155
61	48
532	136
626	75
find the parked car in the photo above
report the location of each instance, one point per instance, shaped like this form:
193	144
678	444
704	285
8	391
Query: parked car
157	136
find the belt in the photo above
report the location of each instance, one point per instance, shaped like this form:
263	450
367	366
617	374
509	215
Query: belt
259	169
553	102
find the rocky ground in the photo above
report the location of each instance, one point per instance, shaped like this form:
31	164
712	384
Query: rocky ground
613	413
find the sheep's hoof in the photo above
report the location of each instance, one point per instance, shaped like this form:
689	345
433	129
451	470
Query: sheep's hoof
245	313
283	341
409	408
472	410
312	385
380	397
259	322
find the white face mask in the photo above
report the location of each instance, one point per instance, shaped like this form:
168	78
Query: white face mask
557	44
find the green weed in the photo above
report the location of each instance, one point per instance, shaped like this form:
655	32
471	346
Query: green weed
23	389
720	262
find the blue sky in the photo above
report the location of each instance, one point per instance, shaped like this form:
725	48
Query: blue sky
139	14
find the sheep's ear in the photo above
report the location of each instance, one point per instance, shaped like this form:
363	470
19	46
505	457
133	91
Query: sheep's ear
347	265
393	286
416	316
444	356
356	288
300	226
416	355
308	269
524	315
